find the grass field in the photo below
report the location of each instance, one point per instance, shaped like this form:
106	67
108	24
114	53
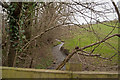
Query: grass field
81	38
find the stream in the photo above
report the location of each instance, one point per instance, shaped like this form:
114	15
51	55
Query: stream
58	55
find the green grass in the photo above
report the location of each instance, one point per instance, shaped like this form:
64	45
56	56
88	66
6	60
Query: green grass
86	38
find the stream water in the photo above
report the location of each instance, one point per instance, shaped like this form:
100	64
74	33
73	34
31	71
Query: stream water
58	55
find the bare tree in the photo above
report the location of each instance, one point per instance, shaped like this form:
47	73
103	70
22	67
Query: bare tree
47	16
89	7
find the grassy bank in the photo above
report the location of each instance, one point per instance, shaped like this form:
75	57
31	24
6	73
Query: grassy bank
80	37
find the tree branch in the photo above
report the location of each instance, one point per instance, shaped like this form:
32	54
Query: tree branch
116	9
81	49
40	35
100	41
5	5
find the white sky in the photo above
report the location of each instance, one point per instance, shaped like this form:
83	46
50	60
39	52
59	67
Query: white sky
111	16
64	0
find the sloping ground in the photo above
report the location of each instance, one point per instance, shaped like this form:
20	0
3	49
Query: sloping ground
76	36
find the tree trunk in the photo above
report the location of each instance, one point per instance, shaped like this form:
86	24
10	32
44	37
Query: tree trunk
14	31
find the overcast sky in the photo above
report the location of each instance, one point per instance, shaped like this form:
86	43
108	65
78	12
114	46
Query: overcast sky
65	0
106	17
110	16
60	0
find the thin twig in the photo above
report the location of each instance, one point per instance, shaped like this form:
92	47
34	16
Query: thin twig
75	51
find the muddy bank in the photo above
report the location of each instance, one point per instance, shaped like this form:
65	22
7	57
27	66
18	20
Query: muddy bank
64	51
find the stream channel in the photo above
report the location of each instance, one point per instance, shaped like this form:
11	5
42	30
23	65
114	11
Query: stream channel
58	55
